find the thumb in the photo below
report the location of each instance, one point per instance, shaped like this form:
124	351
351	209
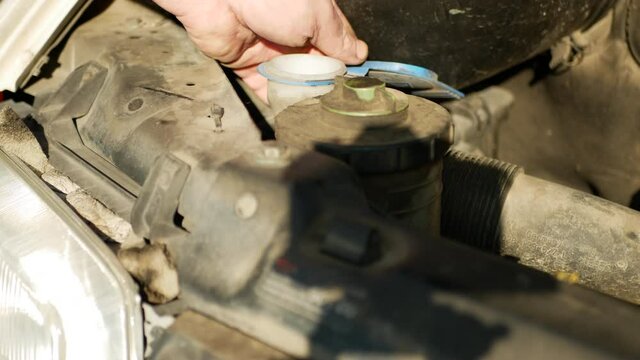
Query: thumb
335	37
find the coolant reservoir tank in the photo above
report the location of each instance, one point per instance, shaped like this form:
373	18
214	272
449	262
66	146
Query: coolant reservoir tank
394	141
296	77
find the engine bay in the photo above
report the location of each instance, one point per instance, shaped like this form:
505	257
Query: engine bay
374	219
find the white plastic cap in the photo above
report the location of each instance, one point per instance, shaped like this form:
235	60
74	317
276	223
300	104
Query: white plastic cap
296	69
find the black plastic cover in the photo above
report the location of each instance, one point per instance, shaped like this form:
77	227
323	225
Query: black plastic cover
466	41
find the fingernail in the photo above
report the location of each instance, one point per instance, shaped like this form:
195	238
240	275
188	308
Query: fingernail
362	50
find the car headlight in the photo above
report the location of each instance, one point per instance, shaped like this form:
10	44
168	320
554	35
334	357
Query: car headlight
63	293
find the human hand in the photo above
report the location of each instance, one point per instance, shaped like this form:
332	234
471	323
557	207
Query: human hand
241	34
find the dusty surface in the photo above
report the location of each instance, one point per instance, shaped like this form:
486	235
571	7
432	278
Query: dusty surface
113	226
152	266
534	138
580	127
16	138
221	341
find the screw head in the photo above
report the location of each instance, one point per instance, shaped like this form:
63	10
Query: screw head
246	206
272	155
272	152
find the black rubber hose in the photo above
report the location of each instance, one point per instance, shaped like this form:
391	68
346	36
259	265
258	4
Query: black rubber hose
473	195
568	233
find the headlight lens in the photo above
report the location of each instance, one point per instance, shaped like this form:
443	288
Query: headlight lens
63	294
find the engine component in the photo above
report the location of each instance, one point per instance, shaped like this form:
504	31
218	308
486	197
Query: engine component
17	139
296	77
579	127
143	85
280	243
193	336
476	120
494	206
394	141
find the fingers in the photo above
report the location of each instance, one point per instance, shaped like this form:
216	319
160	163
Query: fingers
261	51
297	23
335	36
231	30
244	33
285	22
213	27
362	50
226	47
256	82
171	6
